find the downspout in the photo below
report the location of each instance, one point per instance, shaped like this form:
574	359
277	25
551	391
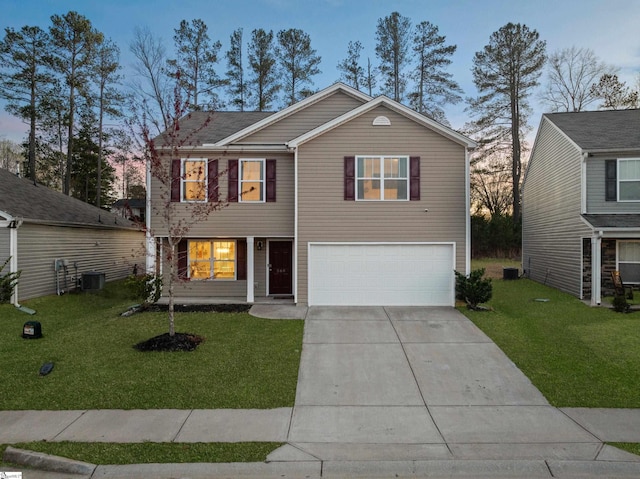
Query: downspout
13	254
467	194
596	271
583	183
150	244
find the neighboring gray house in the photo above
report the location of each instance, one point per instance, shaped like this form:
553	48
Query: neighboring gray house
581	202
55	239
130	208
340	199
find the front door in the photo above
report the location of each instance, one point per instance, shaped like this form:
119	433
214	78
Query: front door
280	267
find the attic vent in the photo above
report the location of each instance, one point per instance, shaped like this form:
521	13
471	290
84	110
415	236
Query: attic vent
381	121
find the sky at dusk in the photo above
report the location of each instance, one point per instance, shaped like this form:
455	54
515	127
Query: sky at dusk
611	28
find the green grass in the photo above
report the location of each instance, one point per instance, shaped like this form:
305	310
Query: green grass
146	453
577	355
632	447
245	362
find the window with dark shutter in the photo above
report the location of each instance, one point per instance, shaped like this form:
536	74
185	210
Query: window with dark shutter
176	179
271	180
414	178
349	178
241	253
212	178
611	180
233	181
182	260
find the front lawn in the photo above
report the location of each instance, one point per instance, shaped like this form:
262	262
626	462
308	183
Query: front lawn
577	355
244	362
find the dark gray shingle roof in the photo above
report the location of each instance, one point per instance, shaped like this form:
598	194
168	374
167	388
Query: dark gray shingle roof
613	221
601	130
220	125
22	198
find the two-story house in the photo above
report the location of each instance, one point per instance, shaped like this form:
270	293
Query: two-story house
581	202
340	199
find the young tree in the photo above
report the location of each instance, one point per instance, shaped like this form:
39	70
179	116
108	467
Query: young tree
151	89
264	83
505	73
298	63
24	60
370	78
196	58
353	73
109	99
236	85
570	74
392	48
176	218
435	87
615	95
74	42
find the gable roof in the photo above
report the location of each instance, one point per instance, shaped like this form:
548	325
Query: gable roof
604	130
392	105
290	110
21	198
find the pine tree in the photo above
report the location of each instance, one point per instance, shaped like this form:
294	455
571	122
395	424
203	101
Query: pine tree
298	63
264	83
352	73
392	48
236	85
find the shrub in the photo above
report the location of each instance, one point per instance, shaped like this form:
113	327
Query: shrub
145	287
620	304
473	289
8	282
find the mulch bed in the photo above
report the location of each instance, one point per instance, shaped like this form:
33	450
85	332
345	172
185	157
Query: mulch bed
201	308
177	342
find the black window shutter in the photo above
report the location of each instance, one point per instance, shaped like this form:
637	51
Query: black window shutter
175	179
271	180
349	178
212	177
183	260
414	178
233	182
611	180
241	259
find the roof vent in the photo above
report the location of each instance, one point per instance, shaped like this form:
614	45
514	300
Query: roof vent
381	121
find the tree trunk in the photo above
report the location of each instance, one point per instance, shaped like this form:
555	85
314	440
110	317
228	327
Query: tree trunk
173	259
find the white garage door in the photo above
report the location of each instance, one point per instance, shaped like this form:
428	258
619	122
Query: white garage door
398	274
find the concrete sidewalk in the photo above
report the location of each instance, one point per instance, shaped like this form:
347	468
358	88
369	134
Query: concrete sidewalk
382	392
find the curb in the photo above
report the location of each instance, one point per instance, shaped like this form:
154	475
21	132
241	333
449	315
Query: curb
46	462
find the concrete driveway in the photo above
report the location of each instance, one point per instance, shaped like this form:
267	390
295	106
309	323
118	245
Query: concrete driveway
400	383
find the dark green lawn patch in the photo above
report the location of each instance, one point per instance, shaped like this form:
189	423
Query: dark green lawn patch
577	355
243	362
101	453
632	447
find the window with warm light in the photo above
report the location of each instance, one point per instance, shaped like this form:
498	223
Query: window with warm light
194	180
252	180
212	259
382	178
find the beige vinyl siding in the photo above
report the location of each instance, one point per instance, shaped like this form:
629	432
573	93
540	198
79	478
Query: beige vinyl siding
325	216
596	189
552	229
236	220
109	251
304	120
4	247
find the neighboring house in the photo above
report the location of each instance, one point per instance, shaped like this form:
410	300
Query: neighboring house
54	239
581	202
340	199
131	208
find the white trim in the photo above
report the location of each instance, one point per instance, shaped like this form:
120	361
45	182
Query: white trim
618	242
392	105
150	241
13	262
382	178
263	180
618	180
583	183
467	214
293	109
295	225
250	269
212	261
183	179
596	273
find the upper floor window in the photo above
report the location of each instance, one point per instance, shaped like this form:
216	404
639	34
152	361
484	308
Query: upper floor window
382	178
194	180
629	179
251	180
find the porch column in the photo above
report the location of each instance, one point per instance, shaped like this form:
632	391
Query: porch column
250	265
13	262
596	269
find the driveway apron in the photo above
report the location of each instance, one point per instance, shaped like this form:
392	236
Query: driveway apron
401	383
